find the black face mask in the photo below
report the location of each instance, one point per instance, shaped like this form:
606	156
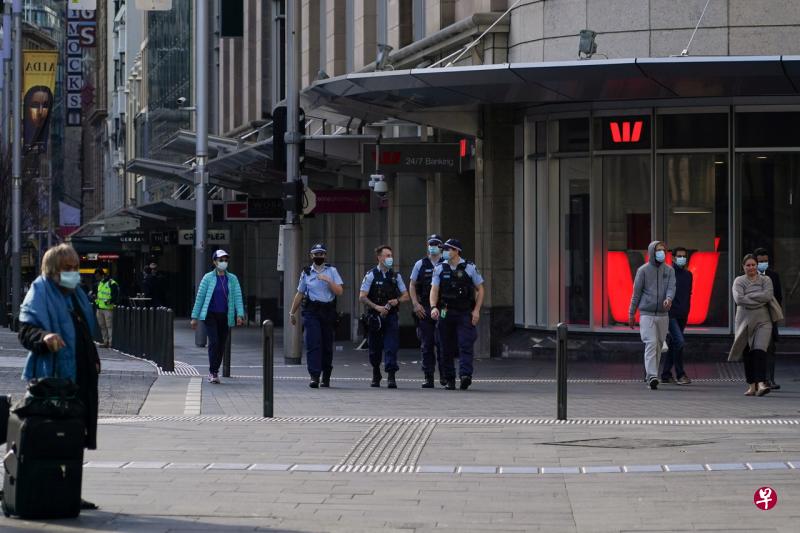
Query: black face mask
319	260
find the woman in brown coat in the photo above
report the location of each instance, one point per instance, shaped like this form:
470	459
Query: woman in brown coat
752	294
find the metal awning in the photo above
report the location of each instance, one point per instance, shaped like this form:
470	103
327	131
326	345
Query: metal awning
184	142
147	216
163	170
419	93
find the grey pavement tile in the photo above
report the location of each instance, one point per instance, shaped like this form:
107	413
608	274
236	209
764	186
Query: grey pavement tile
311	468
105	464
145	465
436	469
767	466
477	469
684	468
794	464
270	467
187	466
723	467
519	470
560	470
642	468
606	469
228	466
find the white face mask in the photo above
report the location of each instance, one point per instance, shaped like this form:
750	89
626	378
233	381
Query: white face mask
389	261
69	280
222	266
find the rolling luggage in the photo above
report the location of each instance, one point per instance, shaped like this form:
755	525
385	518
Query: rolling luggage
5	407
44	454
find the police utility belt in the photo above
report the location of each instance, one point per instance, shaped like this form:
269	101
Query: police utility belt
313	305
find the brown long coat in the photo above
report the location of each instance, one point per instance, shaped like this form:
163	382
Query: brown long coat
753	322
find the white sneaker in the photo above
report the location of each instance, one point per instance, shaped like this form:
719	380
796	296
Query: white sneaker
210	378
214	378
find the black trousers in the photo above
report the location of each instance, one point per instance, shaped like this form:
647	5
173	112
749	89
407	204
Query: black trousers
755	365
217	331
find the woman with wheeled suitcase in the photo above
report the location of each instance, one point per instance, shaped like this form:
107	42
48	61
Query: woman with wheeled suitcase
57	325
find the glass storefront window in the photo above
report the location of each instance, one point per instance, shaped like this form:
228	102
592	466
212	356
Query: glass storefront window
771	219
626	228
576	266
696	194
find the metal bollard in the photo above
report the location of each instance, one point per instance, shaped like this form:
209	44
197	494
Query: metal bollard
561	370
147	338
158	336
169	338
268	356
226	356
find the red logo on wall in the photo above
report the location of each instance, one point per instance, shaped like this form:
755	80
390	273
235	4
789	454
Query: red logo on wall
626	132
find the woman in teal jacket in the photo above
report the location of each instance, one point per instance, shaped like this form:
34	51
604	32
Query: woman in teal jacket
219	305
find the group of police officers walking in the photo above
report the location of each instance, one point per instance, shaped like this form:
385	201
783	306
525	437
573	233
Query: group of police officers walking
446	292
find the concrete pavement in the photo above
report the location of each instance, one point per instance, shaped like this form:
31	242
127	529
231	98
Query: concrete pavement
353	458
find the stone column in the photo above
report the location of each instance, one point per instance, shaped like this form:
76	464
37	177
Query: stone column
494	227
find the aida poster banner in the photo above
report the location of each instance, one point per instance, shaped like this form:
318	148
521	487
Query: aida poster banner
38	86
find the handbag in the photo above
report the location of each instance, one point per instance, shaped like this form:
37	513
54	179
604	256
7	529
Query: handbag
50	397
775	310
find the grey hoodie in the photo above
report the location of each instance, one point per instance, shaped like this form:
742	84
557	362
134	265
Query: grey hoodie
654	283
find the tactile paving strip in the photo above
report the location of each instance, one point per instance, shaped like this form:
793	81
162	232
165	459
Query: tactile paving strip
393	445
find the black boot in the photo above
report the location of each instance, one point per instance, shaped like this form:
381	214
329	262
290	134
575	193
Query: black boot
466	381
392	382
314	382
451	384
428	384
376	377
326	379
442	379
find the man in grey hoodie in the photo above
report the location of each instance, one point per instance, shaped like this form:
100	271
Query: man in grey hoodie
653	292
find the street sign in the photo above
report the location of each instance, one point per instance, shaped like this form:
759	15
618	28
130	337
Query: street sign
342	201
215	236
255	209
411	157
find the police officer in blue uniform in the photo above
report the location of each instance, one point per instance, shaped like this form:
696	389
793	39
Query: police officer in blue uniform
381	292
420	290
320	284
456	300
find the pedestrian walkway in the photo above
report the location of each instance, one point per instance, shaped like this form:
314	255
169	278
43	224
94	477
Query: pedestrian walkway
199	457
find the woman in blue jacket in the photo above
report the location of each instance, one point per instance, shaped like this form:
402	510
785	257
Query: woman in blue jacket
219	305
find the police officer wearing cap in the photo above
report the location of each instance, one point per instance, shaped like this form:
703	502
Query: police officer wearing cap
420	290
382	290
456	299
320	284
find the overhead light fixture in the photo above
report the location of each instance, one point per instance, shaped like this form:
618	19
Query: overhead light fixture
719	162
382	60
761	157
587	46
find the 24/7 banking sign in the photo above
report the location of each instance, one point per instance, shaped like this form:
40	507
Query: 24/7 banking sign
411	157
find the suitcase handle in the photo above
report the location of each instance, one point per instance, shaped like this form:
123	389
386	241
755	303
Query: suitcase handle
10	465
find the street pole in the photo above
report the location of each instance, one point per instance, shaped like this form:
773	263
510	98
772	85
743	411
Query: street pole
6	102
293	232
16	170
201	148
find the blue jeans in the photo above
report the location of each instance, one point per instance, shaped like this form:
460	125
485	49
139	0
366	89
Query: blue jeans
674	355
318	326
217	331
429	344
457	335
385	340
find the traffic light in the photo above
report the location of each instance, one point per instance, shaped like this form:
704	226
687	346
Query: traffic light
279	138
293	196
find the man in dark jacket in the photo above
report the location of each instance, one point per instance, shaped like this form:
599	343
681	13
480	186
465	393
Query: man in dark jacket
678	315
762	261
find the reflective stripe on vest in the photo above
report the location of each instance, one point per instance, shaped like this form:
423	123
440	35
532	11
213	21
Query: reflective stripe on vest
104	295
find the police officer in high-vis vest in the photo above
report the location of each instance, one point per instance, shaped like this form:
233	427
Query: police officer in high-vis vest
456	300
381	292
106	297
320	284
420	290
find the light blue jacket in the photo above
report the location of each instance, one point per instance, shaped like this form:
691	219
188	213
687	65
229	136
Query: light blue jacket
206	291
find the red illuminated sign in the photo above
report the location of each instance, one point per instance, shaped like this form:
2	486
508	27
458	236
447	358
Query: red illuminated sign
626	132
619	284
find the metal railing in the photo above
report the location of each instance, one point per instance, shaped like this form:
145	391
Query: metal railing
146	332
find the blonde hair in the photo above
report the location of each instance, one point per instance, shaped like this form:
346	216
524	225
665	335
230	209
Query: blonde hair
51	262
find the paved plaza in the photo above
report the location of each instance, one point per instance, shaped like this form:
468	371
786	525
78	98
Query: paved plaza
178	454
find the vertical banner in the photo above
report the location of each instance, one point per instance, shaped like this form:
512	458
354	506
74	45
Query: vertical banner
38	86
81	33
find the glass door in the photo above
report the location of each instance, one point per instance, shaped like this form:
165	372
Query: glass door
575	240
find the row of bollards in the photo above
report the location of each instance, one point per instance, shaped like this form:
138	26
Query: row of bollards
146	332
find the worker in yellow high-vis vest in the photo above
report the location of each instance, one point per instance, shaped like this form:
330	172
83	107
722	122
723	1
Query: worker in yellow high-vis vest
106	298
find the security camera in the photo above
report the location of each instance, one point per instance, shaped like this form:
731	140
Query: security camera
374	179
381	187
181	100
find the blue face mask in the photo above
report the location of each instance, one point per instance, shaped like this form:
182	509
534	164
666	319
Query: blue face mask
762	267
69	280
434	250
660	256
680	261
389	261
446	255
